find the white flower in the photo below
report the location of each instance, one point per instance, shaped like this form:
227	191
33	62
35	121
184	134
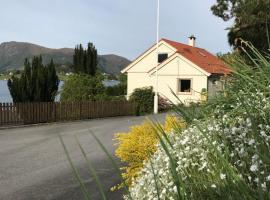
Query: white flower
210	128
264	186
213	186
251	142
222	176
268	178
254	168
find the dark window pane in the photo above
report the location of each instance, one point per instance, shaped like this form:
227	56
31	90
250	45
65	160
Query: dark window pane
162	57
185	85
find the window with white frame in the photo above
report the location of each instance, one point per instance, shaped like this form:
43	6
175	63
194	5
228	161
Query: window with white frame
184	85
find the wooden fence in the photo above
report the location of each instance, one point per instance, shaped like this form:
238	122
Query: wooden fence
34	113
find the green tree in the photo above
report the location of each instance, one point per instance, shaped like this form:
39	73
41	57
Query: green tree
37	83
251	21
119	90
53	81
79	87
85	60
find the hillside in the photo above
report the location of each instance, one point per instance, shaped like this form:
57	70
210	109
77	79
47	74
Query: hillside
12	55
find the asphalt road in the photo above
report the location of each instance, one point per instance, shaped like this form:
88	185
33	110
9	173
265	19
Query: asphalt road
33	164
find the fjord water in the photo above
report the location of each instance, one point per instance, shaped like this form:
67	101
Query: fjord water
5	95
4	92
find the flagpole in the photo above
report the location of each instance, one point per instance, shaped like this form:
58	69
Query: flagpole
157	50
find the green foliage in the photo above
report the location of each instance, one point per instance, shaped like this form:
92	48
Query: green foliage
85	61
80	87
37	83
123	79
117	90
251	18
144	98
120	89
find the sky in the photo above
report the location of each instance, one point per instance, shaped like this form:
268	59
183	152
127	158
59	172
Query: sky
123	27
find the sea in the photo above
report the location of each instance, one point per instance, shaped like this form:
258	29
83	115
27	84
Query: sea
5	95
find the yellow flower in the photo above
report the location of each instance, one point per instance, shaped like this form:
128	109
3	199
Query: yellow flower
138	145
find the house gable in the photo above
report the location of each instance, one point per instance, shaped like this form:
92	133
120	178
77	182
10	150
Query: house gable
148	60
177	65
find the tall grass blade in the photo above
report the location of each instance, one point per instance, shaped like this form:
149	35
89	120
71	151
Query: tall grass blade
92	170
116	167
75	171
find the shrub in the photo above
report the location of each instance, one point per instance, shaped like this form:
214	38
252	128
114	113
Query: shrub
225	154
136	146
144	98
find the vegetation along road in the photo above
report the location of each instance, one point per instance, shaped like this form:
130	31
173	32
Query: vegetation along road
33	164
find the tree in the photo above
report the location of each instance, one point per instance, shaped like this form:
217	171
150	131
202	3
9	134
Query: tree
53	81
79	87
37	83
120	89
85	61
251	21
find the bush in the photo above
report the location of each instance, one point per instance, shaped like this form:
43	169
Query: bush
79	87
136	146
225	155
144	98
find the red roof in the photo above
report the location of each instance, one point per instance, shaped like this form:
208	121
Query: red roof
201	58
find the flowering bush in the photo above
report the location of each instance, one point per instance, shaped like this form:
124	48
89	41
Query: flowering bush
224	155
139	144
135	147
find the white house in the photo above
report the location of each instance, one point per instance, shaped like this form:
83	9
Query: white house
184	69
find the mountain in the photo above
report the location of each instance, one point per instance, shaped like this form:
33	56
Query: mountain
12	55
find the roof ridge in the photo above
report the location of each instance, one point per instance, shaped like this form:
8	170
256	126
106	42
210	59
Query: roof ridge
199	48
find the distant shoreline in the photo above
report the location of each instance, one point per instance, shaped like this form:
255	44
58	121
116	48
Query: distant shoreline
6	77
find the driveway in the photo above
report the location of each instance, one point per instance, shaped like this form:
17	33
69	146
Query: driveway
33	164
